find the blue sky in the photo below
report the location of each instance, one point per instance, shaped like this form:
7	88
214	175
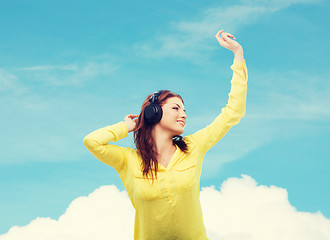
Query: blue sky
70	67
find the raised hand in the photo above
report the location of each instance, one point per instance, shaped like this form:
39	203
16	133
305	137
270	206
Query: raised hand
131	124
227	40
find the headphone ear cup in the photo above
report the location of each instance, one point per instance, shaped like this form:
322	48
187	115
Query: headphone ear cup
153	113
159	114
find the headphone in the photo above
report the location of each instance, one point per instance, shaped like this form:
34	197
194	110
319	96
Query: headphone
153	112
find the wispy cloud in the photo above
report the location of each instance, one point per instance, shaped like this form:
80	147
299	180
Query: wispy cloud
73	74
15	92
26	107
188	39
22	86
240	209
277	4
291	95
279	105
9	83
72	67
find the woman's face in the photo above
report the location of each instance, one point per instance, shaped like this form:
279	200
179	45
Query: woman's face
174	116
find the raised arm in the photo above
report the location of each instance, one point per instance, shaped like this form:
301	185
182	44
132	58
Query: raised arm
235	108
97	142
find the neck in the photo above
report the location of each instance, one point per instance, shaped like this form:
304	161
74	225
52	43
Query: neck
163	141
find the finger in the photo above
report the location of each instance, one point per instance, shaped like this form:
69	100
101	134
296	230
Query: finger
133	116
224	37
218	34
230	35
222	42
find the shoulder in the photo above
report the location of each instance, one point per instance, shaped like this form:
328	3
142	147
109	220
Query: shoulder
190	141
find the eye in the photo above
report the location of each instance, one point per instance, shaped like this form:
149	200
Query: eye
176	108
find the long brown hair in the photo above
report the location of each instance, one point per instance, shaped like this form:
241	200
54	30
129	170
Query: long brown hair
143	139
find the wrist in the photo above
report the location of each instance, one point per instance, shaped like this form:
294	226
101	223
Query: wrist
238	50
128	129
239	54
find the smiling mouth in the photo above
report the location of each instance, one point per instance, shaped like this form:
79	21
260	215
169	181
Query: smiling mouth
182	123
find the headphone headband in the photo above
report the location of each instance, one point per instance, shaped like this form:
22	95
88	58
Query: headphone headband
155	95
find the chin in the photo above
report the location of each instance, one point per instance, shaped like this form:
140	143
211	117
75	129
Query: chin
180	132
177	132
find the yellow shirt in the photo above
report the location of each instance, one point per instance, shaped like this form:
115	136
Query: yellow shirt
170	208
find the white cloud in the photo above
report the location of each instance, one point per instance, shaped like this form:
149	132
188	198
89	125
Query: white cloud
104	214
244	210
188	39
240	209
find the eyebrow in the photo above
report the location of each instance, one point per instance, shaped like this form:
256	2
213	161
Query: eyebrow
180	107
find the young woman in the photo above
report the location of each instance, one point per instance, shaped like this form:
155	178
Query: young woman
162	176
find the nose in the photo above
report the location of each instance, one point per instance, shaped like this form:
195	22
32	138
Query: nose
184	115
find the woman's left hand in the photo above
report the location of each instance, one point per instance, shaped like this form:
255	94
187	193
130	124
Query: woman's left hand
228	41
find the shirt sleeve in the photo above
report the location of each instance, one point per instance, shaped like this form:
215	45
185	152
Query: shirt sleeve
231	114
97	142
